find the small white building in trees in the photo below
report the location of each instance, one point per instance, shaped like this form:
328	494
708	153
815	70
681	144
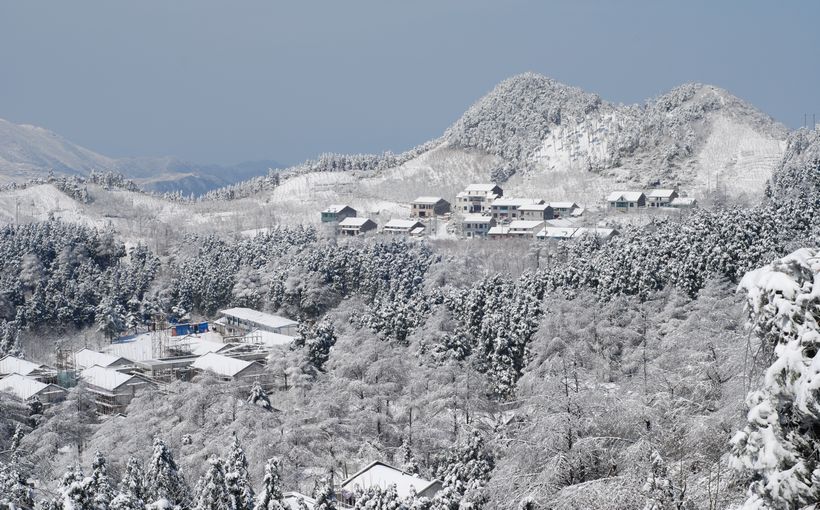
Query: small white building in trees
626	201
660	197
24	388
338	212
476	225
477	198
564	209
86	358
381	475
241	321
229	369
525	228
504	209
536	212
402	227
14	365
112	390
356	226
428	207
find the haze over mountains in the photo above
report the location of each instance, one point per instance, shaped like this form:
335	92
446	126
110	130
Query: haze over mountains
28	152
537	134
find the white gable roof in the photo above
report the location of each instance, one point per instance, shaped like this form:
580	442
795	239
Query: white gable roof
26	387
202	347
334	208
481	188
267	338
557	232
516	202
525	224
383	476
534	207
627	196
563	205
498	231
15	365
86	358
660	193
353	222
477	218
427	200
106	378
220	364
257	317
403	224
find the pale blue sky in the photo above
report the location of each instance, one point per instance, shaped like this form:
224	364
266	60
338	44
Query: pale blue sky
227	81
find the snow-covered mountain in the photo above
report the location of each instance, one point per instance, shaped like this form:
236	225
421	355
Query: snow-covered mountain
28	152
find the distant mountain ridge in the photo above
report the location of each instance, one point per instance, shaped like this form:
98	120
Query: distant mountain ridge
28	152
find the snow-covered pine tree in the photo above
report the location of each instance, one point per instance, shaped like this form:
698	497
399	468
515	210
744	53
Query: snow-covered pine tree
237	479
74	493
320	343
259	397
213	493
99	483
163	480
17	438
324	495
778	447
15	491
406	458
465	472
271	498
133	480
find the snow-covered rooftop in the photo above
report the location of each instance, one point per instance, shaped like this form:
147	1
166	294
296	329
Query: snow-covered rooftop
334	208
525	224
383	476
556	232
427	200
498	230
683	201
86	358
477	218
267	338
202	347
106	378
563	205
480	188
257	317
600	232
534	207
402	224
625	196
353	222
15	365
660	193
516	202
221	365
26	387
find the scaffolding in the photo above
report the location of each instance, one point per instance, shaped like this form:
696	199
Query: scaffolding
160	337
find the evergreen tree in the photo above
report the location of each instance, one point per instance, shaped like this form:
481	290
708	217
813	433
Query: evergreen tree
163	480
132	483
465	472
15	490
259	397
271	498
324	495
406	458
99	483
320	343
17	438
213	493
778	446
238	479
74	492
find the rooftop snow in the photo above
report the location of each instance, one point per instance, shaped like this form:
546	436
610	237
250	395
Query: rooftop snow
267	338
25	387
383	476
516	202
499	230
334	208
402	224
477	218
534	207
627	196
427	200
660	193
257	317
480	188
525	224
220	364
15	365
88	358
105	378
353	222
557	232
563	205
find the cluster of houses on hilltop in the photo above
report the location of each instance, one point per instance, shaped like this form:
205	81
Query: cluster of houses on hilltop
348	223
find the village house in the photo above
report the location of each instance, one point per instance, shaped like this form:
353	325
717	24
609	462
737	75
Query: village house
683	203
87	358
498	232
625	201
404	227
428	207
536	212
525	228
564	209
14	365
504	209
25	388
660	197
477	198
112	390
381	475
237	322
476	225
356	226
338	212
229	369
556	233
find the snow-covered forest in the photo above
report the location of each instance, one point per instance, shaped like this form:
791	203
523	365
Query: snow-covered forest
577	375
